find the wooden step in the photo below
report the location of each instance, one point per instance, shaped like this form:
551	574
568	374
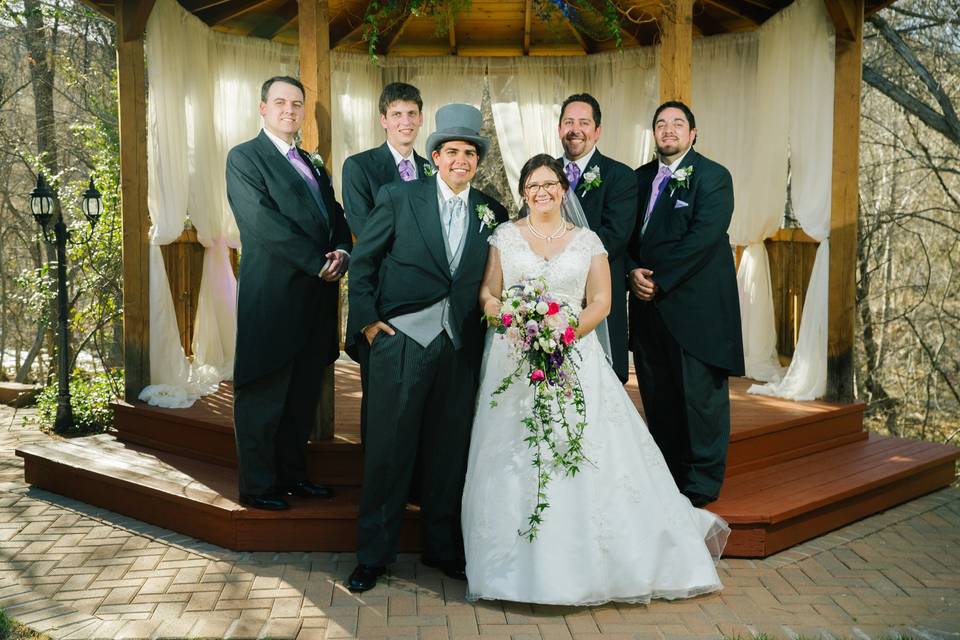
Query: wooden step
780	505
764	430
193	497
768	509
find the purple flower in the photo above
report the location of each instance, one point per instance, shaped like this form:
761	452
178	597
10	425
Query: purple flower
532	328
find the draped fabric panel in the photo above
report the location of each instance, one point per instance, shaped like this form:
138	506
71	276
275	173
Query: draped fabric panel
810	43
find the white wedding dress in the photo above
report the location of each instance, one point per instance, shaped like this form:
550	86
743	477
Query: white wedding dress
617	531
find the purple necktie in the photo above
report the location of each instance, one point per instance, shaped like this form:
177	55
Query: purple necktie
573	174
656	189
300	165
406	170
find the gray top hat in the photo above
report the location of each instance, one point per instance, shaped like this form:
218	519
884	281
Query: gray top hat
458	122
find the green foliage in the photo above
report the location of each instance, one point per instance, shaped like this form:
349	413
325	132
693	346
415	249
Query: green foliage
90	397
6	625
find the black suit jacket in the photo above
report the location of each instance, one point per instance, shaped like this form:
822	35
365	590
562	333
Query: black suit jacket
400	264
611	211
363	175
688	250
284	235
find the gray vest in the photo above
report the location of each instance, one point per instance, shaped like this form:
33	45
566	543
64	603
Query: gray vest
425	325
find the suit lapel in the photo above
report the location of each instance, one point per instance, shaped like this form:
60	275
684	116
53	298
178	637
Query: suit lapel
386	170
665	203
474	247
272	156
426	213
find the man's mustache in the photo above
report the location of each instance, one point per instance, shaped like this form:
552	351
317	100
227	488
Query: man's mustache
575	136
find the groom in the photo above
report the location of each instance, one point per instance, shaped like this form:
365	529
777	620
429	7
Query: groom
607	190
414	285
685	310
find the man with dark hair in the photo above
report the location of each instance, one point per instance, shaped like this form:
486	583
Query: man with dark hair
414	290
295	243
401	116
685	309
607	191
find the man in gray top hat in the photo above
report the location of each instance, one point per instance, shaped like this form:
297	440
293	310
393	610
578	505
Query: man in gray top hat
414	285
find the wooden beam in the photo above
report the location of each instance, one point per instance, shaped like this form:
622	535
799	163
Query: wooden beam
277	21
135	14
577	35
316	136
676	50
527	23
843	207
341	32
132	109
103	11
452	35
199	5
844	19
396	34
753	19
229	10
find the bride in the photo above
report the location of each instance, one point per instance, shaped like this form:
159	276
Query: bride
619	530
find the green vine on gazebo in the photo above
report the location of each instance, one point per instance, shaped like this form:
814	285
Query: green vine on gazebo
600	23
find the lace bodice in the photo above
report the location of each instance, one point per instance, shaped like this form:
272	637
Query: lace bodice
565	273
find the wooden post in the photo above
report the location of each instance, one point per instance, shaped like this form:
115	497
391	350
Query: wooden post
848	18
132	107
676	50
315	76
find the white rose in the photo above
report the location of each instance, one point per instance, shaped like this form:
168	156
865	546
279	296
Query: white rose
542	308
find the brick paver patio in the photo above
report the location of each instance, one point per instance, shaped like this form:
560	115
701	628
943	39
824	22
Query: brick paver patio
74	571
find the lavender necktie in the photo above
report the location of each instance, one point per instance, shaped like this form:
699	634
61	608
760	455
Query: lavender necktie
301	166
656	189
573	174
406	170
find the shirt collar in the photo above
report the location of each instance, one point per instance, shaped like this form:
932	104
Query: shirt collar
398	157
282	145
676	163
444	192
582	162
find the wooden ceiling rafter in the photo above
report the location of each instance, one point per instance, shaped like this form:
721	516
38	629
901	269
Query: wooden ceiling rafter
229	10
527	25
752	19
579	37
452	35
396	34
200	5
280	20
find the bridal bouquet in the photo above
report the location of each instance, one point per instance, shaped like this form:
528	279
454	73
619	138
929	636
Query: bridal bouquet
542	332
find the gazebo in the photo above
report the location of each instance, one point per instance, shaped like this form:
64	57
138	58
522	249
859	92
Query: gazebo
796	469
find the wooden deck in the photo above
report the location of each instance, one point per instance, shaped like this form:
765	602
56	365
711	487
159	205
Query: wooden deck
795	471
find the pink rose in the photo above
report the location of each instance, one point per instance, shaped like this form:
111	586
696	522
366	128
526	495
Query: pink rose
537	375
553	308
506	319
569	336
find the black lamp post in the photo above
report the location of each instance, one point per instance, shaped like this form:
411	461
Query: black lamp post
45	206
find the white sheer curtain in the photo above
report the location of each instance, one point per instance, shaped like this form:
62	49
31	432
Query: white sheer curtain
742	123
356	86
527	93
809	40
203	94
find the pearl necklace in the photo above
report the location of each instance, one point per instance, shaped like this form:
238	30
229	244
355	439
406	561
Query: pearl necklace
558	233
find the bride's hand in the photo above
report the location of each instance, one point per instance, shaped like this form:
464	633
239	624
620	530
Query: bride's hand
492	309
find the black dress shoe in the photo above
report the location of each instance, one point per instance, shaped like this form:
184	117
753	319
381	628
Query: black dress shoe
268	502
364	577
306	489
455	569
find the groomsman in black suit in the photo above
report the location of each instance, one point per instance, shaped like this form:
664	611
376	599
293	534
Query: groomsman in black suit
295	249
414	288
685	309
401	116
607	191
364	173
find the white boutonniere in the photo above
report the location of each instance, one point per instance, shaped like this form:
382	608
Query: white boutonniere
486	216
428	169
316	160
680	179
591	179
